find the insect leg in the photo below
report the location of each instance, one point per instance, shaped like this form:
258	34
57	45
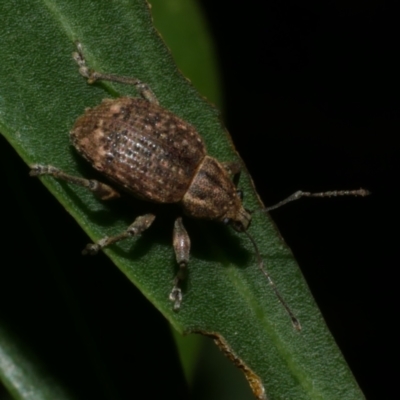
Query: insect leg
101	190
181	243
136	228
93	76
234	168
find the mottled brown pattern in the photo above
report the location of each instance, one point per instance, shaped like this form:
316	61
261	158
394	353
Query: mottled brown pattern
141	146
212	194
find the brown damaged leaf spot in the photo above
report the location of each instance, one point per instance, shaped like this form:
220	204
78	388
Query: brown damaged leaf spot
254	380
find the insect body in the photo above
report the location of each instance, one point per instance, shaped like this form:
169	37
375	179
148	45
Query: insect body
154	155
157	157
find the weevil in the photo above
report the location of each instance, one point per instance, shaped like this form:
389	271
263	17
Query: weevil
154	155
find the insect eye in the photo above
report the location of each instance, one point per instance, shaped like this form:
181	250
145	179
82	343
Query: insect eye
240	194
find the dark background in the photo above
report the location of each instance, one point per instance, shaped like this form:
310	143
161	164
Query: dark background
312	99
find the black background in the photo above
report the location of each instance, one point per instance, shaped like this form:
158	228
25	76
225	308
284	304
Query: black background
312	100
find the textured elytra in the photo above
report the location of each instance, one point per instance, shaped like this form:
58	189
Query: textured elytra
141	146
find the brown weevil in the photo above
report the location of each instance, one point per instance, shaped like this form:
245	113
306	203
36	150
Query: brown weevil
154	155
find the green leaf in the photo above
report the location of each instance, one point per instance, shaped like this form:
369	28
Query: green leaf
182	26
226	296
22	373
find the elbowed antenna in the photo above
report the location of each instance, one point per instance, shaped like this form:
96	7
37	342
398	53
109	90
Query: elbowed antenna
296	196
295	321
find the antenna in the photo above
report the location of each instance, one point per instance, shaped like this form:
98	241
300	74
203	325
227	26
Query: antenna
295	321
296	196
334	193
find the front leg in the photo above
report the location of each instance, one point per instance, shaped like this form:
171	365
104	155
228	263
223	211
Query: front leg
234	168
181	243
